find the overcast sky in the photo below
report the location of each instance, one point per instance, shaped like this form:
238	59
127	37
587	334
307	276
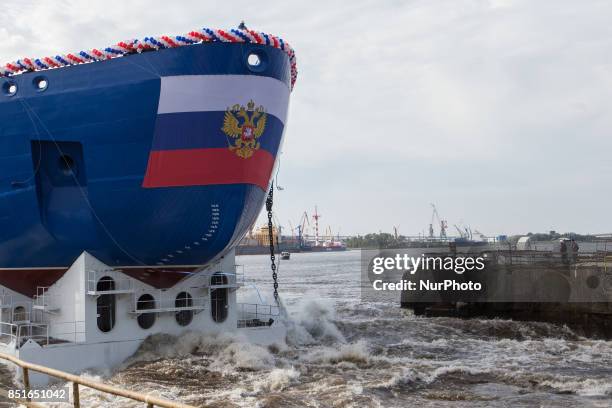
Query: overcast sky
497	111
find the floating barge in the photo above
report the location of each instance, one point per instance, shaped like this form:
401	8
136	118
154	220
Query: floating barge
570	289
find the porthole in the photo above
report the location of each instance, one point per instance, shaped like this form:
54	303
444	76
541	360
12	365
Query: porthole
253	60
184	317
256	60
9	88
41	83
145	320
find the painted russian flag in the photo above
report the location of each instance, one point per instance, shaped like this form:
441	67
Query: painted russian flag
191	145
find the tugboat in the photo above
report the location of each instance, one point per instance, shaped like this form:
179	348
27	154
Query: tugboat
285	255
129	174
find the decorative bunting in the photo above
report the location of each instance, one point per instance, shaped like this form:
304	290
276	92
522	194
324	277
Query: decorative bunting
239	35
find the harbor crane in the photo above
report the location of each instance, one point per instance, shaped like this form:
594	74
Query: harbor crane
442	223
328	233
464	232
316	217
302	228
279	227
481	235
292	229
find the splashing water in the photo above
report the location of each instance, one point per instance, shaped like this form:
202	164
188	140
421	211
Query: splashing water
342	352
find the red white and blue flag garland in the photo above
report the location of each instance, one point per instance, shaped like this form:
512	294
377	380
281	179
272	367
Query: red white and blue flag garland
239	35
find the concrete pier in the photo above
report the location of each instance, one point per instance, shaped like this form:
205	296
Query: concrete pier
574	290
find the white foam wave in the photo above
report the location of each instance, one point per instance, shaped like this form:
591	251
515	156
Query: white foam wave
404	376
355	353
442	371
225	352
312	322
589	387
278	379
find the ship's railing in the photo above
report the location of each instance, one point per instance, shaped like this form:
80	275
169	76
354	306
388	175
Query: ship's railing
21	333
21	315
220	280
42	333
230	280
253	314
240	276
533	257
6	301
166	304
112	282
26	367
8	332
45	301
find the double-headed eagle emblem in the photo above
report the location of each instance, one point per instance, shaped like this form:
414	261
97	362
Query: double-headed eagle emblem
245	125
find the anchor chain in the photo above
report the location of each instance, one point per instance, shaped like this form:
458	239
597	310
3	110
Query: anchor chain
269	202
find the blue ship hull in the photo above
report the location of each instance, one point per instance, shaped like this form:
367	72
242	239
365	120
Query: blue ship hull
76	158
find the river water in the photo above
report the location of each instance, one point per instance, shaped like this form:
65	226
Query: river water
342	352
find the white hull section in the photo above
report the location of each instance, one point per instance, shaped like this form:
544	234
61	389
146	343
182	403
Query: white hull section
85	322
198	93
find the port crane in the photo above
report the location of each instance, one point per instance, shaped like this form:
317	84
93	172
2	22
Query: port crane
316	217
329	233
292	229
301	228
464	232
279	227
481	235
442	223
